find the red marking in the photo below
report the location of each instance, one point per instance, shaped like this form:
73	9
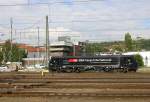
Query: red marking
72	60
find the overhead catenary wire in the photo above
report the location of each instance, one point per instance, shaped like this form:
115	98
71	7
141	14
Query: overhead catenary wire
72	21
76	21
78	30
48	3
30	27
80	20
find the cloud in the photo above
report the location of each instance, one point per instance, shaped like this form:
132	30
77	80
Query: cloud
30	36
5	2
93	20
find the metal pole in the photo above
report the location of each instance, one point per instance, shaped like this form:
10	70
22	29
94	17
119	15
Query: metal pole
20	38
19	50
47	40
74	49
11	31
38	43
84	48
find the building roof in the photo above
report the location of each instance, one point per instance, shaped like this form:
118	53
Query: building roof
31	48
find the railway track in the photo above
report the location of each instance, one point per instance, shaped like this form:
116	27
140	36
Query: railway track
125	85
108	92
41	94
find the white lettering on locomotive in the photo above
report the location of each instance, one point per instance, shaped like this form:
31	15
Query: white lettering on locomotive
94	60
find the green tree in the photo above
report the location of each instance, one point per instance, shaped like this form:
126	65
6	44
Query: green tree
22	54
139	60
1	57
13	55
6	51
128	42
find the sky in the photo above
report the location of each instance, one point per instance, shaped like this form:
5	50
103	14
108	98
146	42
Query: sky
93	20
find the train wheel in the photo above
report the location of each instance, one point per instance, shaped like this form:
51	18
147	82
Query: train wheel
78	70
125	70
121	70
107	69
69	70
58	70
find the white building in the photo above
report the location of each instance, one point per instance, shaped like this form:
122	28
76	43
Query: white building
144	54
61	48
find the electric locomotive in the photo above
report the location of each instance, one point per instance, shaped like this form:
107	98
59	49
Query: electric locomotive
105	63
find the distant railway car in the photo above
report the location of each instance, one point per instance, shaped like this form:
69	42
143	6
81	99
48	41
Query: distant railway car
106	63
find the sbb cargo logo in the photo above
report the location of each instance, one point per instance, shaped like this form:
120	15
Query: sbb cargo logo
72	60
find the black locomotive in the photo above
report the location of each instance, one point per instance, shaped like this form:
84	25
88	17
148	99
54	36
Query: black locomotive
106	63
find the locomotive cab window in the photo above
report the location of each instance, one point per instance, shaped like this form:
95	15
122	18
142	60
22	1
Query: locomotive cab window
129	61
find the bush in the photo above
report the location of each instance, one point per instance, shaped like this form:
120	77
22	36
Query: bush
139	60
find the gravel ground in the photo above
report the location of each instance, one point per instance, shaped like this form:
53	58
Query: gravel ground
37	76
75	99
144	70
